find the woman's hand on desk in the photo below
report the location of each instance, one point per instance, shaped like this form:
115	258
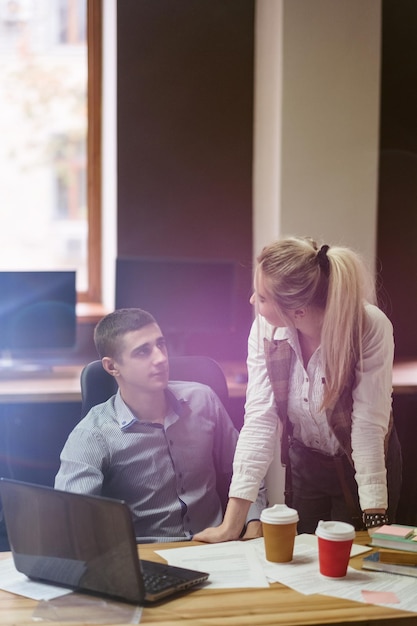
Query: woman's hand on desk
231	527
219	534
215	534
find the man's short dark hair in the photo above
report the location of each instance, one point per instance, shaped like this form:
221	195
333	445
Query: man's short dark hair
110	329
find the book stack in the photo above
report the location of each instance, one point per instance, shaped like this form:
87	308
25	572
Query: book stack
398	550
396	536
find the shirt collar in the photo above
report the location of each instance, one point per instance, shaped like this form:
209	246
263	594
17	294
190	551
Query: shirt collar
291	335
125	417
285	332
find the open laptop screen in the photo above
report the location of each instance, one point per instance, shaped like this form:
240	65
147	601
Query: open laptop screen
85	543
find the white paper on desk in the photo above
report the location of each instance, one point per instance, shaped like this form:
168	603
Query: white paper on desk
296	573
302	574
231	564
16	582
351	587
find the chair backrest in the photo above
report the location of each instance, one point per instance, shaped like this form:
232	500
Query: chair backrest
98	386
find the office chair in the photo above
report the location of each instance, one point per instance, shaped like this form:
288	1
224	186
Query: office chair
98	386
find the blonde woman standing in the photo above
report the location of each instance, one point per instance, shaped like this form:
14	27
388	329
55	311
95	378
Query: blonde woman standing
320	356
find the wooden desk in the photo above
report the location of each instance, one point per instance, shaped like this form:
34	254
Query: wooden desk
277	605
61	384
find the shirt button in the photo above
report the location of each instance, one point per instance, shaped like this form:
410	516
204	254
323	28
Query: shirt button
305	399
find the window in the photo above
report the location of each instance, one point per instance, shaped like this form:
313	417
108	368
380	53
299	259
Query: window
72	22
50	118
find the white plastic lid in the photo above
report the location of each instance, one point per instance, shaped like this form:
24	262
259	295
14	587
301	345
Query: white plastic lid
335	531
279	514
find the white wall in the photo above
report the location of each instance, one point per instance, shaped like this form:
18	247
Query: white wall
267	121
317	70
109	154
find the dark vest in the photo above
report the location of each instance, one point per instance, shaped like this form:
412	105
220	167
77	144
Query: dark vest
339	416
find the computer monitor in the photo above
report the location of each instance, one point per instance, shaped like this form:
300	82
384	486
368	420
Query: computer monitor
37	315
186	296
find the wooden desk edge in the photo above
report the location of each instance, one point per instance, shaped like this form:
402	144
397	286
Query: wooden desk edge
277	605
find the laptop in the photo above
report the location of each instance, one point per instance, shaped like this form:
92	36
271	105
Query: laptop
85	543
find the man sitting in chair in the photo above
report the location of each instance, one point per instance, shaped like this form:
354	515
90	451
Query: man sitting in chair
161	446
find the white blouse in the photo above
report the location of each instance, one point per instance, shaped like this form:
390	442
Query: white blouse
372	399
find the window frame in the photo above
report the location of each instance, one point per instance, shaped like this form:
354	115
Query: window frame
94	142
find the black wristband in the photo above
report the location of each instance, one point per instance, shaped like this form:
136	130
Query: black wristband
372	520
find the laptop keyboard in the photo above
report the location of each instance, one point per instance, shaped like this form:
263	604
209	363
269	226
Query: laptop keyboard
161	580
155	583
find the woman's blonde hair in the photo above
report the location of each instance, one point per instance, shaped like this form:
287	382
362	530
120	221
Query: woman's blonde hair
298	274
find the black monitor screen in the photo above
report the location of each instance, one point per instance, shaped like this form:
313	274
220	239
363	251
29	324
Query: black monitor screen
185	296
37	310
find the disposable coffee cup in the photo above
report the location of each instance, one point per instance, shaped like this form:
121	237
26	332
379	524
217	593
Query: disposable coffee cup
279	526
334	544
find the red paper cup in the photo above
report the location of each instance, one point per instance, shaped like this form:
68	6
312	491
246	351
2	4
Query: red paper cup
334	543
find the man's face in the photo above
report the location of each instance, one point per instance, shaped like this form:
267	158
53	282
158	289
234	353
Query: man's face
143	360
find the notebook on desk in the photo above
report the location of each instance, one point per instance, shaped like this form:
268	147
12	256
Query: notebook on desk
86	543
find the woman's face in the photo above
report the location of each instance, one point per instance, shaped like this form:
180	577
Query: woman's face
265	304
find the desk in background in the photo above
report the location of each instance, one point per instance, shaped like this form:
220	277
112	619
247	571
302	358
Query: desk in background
38	412
277	605
62	383
404	384
404	378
